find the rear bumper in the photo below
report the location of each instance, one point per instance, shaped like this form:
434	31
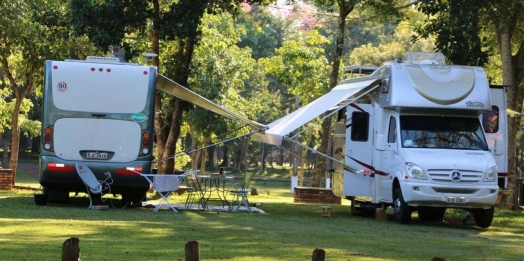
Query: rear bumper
56	173
424	194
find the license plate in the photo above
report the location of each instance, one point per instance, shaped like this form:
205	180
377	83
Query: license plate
96	155
453	199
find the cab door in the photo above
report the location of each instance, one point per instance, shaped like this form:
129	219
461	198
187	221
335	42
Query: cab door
359	150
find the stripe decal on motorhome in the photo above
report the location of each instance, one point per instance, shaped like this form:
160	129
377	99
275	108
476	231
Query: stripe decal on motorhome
503	174
378	172
129	171
356	107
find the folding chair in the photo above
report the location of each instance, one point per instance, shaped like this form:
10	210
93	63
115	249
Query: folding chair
93	185
241	191
165	185
196	192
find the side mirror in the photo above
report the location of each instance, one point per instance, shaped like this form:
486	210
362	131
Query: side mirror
499	147
381	142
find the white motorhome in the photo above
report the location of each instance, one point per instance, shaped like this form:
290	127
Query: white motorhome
409	136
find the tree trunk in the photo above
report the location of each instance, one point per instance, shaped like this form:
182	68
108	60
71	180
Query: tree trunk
15	137
160	133
508	77
35	145
210	164
203	156
320	168
225	156
5	154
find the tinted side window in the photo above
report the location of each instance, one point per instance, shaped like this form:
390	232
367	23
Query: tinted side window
359	126
490	120
392	132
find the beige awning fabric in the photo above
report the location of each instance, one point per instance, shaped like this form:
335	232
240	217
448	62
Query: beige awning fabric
341	93
168	86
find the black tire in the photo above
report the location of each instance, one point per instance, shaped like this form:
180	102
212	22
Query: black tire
483	217
402	211
56	195
431	213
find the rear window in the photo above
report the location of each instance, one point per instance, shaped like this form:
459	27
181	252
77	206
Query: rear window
101	88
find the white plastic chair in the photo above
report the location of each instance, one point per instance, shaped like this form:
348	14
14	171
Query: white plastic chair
93	185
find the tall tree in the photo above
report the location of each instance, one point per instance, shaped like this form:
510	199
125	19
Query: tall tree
374	8
32	31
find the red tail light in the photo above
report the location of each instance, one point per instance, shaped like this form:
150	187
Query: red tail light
47	138
146	136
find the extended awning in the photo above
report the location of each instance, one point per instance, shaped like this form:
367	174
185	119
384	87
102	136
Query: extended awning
170	87
354	88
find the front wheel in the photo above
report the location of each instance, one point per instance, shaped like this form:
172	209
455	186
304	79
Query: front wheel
483	217
401	209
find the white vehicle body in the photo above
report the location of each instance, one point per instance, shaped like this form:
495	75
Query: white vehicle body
100	112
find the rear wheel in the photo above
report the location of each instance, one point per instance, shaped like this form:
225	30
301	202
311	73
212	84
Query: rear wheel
431	213
483	217
401	209
56	195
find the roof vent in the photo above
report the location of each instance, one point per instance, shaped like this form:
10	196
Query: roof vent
425	58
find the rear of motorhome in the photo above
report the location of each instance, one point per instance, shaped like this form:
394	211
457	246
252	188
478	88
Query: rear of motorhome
97	111
410	136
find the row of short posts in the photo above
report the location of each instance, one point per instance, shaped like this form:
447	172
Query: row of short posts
71	251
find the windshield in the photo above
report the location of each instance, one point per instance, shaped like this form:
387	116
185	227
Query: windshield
439	132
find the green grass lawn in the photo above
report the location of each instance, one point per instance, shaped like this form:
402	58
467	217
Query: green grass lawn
287	231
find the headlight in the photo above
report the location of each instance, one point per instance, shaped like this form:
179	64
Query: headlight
491	174
414	171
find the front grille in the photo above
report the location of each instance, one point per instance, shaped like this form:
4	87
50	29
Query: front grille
455	190
466	176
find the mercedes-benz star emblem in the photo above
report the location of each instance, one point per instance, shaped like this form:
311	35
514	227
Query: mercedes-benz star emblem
455	176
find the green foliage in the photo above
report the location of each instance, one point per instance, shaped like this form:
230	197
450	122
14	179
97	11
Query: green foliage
29	127
265	32
393	46
220	70
300	64
107	22
457	28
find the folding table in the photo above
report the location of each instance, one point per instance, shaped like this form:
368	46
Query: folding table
165	185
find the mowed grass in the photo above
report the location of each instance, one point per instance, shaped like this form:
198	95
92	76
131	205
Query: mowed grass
286	231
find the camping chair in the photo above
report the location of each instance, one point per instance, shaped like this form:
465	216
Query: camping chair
241	190
93	185
165	185
195	191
